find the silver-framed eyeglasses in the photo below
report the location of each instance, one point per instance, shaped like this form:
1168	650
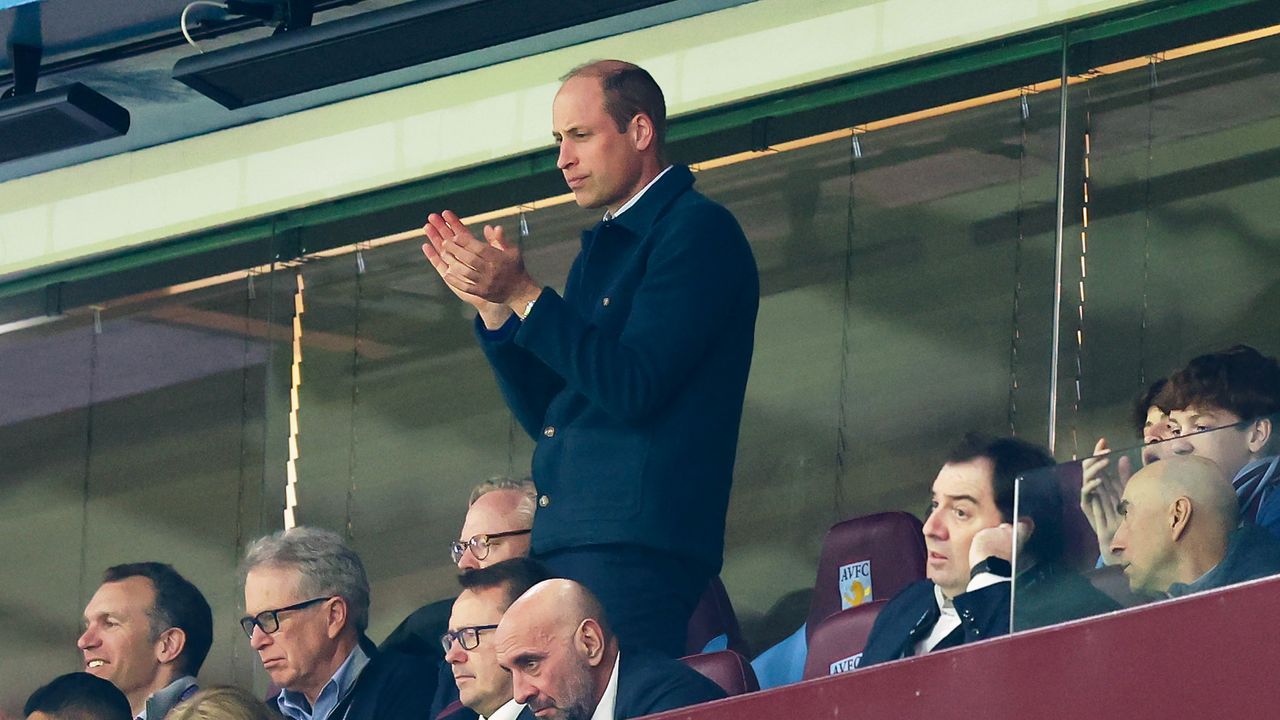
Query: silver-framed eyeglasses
479	544
269	620
467	637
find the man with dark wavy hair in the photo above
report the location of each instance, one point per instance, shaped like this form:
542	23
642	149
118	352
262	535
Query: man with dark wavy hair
970	533
1222	406
148	631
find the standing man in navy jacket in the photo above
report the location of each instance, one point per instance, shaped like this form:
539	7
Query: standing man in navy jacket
632	382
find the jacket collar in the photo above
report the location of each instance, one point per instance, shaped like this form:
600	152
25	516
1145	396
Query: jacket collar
164	699
639	218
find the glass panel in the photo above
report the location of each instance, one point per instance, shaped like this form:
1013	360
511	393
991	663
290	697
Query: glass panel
45	391
1179	255
130	433
1193	512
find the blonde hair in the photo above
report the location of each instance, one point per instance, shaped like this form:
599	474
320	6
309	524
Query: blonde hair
221	703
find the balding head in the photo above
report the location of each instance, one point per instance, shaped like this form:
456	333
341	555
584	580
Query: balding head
501	520
1177	517
556	643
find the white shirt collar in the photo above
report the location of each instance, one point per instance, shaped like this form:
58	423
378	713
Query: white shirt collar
605	708
627	205
510	711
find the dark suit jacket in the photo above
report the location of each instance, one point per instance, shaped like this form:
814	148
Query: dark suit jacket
632	383
419	633
912	613
392	686
650	683
1047	594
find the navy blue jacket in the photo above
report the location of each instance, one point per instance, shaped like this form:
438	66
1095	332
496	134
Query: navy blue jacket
1047	594
649	683
632	383
392	686
1252	553
912	613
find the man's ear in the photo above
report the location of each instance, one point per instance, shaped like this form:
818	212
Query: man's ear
1258	434
1179	517
590	640
642	132
338	616
170	645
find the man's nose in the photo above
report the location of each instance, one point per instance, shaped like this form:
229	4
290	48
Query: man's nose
259	638
468	560
566	157
934	527
521	689
455	654
88	639
1118	541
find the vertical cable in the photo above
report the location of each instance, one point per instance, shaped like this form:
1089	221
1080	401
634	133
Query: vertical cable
88	455
1016	333
1084	274
513	428
1057	249
1152	83
355	389
842	426
239	546
291	467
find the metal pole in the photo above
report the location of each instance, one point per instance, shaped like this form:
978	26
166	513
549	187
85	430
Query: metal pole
1057	252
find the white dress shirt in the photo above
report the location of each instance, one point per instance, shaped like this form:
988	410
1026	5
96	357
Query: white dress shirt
605	708
510	711
634	198
950	619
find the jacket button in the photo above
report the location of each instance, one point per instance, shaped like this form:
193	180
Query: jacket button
543	501
605	302
549	431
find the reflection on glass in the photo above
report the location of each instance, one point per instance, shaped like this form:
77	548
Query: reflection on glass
1187	512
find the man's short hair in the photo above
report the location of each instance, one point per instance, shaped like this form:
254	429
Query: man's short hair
327	565
79	696
629	90
1041	499
502	482
1144	402
1239	379
515	576
178	604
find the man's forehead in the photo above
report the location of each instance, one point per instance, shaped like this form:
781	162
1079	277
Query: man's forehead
122	596
482	606
268	587
493	512
1201	410
970	478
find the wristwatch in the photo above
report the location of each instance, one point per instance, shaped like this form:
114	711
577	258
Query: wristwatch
528	308
993	565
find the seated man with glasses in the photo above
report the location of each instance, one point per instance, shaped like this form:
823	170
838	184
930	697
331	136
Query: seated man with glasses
306	596
497	526
482	685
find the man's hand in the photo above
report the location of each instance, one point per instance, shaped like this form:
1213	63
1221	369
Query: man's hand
492	314
996	541
1100	496
492	270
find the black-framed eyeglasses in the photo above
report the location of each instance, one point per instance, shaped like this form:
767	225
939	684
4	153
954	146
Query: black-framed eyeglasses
269	620
479	544
467	637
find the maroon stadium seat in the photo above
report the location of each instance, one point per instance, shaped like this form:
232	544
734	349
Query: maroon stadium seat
712	618
727	669
835	646
864	559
